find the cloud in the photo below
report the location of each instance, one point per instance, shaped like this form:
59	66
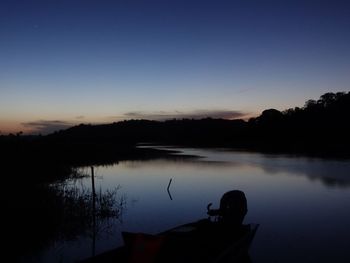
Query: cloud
197	114
46	126
50	126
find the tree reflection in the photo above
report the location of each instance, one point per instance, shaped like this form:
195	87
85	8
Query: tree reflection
40	215
77	212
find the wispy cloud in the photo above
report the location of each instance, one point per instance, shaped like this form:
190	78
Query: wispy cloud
50	126
197	114
47	126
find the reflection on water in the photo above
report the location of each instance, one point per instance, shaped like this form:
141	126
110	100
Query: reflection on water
300	203
60	215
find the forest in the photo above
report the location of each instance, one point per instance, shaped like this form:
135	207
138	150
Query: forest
321	128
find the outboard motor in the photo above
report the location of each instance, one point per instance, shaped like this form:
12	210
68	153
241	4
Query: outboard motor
233	208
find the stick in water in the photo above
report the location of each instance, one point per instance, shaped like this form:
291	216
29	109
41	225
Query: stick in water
171	179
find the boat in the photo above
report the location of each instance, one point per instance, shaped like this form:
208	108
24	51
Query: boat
224	239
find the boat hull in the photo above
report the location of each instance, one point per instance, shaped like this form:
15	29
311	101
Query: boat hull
201	241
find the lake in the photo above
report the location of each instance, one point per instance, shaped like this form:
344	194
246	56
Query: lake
301	203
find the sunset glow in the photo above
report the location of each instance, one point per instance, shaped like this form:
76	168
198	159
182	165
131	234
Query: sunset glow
71	62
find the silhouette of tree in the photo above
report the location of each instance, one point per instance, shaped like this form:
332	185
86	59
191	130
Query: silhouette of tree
321	127
270	116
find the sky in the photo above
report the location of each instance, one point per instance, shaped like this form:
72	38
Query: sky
68	62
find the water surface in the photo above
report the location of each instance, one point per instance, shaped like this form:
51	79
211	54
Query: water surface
302	204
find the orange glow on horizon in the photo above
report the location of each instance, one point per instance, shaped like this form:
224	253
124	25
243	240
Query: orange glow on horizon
38	125
13	127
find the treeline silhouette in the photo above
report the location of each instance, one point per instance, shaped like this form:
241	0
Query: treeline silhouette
321	127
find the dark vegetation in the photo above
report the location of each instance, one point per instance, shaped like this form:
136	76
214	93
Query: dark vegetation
38	215
321	127
37	212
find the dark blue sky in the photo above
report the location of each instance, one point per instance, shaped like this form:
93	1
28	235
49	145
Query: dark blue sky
64	62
